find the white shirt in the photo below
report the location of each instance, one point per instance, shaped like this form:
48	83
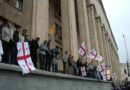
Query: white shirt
65	58
6	34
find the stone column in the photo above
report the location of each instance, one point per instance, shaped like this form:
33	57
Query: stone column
108	50
40	19
69	30
99	38
104	45
92	27
83	23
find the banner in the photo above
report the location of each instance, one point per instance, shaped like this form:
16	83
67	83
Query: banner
94	55
82	50
83	71
24	58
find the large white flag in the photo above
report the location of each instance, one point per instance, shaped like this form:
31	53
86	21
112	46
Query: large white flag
82	50
24	58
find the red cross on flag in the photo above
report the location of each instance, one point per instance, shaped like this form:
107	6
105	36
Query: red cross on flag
83	71
24	58
82	50
106	75
94	55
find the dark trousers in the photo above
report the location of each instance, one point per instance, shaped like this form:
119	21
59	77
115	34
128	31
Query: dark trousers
74	70
54	68
48	62
6	48
79	71
34	58
64	67
13	54
42	59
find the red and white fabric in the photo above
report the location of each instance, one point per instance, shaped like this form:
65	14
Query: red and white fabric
101	68
83	71
82	50
94	55
24	58
106	75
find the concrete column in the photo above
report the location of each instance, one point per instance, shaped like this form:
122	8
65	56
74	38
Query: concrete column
69	29
104	46
92	27
40	19
108	50
83	23
99	38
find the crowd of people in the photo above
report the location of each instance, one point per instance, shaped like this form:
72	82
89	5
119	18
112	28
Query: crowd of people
43	56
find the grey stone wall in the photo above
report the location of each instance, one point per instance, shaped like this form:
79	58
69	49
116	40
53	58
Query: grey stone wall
11	78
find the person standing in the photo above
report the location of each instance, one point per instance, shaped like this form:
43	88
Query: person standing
74	67
54	54
1	26
24	34
65	60
5	42
34	47
42	55
17	37
79	65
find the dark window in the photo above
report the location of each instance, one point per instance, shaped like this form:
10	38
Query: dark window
16	3
57	9
58	34
125	72
19	4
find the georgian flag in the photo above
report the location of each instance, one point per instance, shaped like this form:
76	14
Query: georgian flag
106	75
101	68
83	71
94	55
105	71
99	58
24	58
82	50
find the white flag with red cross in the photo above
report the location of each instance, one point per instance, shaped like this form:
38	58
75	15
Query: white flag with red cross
82	50
101	68
24	58
94	55
83	71
106	75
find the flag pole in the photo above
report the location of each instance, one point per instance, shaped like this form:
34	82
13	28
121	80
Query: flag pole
127	59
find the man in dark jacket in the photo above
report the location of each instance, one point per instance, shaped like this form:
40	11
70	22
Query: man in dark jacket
34	47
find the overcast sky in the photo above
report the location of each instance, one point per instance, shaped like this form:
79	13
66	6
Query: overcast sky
118	12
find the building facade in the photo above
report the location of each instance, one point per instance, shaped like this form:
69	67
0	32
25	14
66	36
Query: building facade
124	71
75	21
